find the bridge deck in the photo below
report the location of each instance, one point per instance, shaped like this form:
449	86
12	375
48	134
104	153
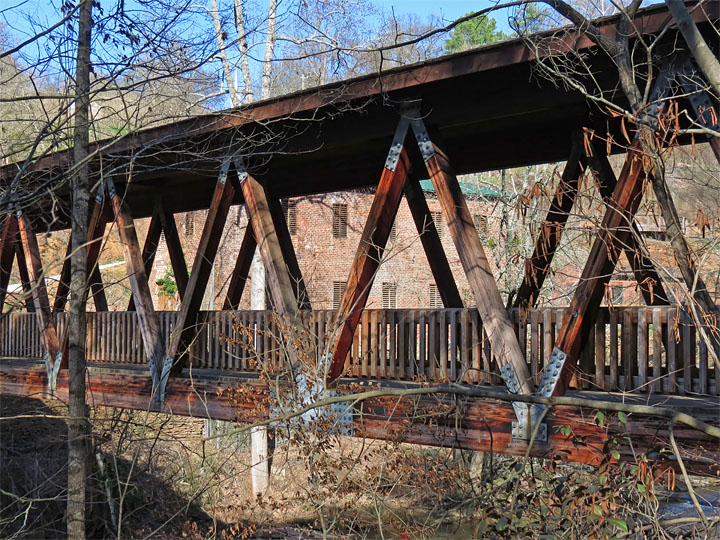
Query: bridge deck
480	423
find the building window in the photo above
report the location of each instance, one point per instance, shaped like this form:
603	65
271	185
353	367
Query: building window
338	290
617	294
189	224
290	212
389	295
435	299
339	220
238	216
481	224
437	220
393	231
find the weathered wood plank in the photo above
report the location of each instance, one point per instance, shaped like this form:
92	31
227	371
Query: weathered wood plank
368	255
474	261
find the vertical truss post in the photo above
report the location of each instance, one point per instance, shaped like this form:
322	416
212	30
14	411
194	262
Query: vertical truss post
432	244
537	266
48	334
7	255
372	244
153	342
472	256
242	268
185	326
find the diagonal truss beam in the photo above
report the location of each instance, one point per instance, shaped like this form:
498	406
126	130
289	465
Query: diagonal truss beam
7	255
284	289
288	253
149	249
537	266
372	244
432	244
177	257
152	338
646	275
96	230
280	281
24	278
186	325
242	269
611	241
472	256
48	333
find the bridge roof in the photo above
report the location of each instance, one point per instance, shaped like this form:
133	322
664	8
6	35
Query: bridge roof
490	106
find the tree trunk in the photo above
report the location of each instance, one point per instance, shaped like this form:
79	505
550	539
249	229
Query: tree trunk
78	424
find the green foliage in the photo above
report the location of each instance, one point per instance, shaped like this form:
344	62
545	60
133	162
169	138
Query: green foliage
529	19
478	31
167	284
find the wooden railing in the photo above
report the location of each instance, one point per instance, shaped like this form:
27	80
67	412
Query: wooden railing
630	348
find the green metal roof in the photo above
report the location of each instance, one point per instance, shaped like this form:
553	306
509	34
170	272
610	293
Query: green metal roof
469	190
